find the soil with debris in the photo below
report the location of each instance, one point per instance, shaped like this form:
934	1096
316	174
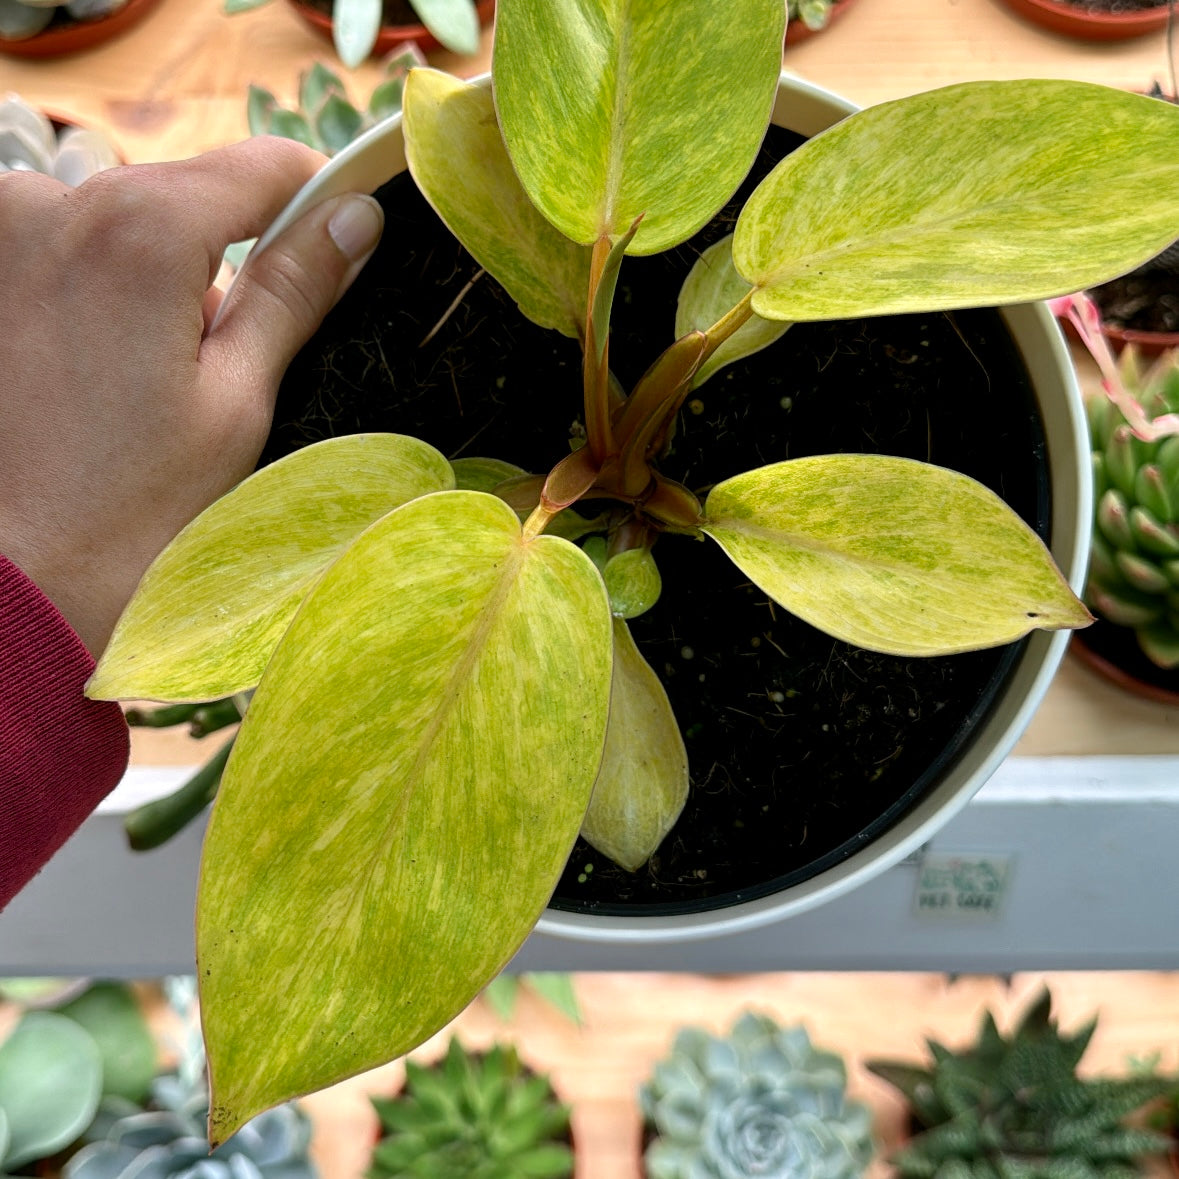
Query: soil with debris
802	748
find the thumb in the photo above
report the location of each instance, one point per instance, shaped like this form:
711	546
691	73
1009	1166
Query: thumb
283	294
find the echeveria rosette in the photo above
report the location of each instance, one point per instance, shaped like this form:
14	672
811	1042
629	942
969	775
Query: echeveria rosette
168	1141
762	1102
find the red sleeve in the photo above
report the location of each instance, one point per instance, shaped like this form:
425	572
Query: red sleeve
60	754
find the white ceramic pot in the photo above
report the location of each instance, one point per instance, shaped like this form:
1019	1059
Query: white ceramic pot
379	154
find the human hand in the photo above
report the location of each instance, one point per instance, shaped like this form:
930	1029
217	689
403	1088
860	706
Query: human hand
122	414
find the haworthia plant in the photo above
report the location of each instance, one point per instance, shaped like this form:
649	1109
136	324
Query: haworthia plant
436	660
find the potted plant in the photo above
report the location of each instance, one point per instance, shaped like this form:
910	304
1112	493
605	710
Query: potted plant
50	28
1015	1105
1095	20
31	141
359	28
57	1066
422	750
1133	424
807	17
760	1101
473	1115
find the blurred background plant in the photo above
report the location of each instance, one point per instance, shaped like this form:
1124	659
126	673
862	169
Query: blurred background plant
20	19
29	142
1014	1106
473	1115
454	24
760	1101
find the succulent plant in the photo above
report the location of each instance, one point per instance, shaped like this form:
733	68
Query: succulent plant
760	1102
29	142
20	19
1014	1108
56	1066
473	1116
454	24
167	1140
1134	430
325	118
812	13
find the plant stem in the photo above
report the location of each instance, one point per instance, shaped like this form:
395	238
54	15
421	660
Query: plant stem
596	366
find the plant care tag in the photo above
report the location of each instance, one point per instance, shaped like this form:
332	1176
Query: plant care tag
971	885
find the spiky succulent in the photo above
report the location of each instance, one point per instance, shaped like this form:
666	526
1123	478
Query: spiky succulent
168	1141
1014	1108
1134	430
473	1116
29	142
761	1102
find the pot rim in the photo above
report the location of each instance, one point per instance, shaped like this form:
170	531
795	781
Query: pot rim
378	155
1072	20
74	38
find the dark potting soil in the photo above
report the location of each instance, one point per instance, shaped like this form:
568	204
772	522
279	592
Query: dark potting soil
802	748
1142	301
1116	6
393	12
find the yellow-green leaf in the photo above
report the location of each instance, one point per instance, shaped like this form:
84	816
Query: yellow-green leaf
483	474
402	797
457	156
643	782
616	108
890	554
632	582
987	192
710	292
211	608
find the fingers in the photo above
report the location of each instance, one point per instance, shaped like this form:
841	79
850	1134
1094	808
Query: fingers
284	293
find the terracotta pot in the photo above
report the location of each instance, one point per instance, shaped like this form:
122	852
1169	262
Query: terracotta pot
391	36
797	31
1113	653
1148	343
84	34
1074	21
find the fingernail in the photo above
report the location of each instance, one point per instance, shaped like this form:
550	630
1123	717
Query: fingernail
355	226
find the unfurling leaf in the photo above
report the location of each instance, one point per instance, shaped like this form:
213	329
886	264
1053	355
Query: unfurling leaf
458	159
403	795
633	582
601	108
890	554
981	193
711	290
214	603
643	782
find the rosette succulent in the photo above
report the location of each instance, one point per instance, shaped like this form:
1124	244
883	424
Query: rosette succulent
20	19
167	1140
29	142
473	1116
1134	430
761	1102
1013	1106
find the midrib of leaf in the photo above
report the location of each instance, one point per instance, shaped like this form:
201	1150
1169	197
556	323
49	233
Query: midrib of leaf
487	619
617	125
782	537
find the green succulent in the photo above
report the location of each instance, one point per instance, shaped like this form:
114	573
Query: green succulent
167	1141
473	1116
1134	431
760	1102
20	19
1014	1108
454	24
56	1066
812	13
325	118
29	142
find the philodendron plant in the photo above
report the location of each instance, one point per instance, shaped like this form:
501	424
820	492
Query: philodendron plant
447	690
